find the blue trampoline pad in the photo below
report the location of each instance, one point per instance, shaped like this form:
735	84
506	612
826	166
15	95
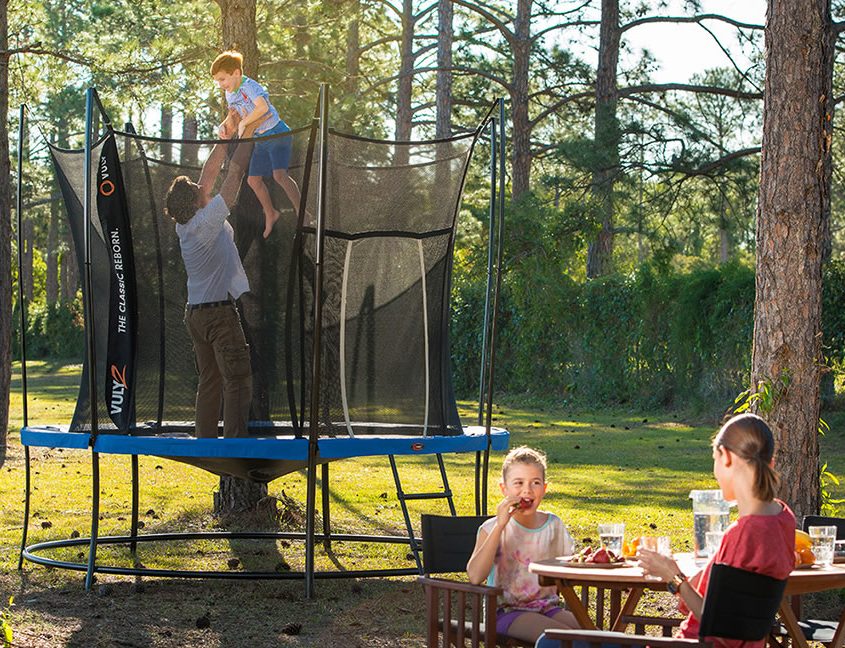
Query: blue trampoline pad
264	458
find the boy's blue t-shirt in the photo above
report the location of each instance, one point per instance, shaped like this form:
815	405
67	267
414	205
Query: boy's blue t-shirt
243	100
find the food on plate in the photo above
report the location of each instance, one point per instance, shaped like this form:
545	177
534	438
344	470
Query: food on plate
803	549
602	555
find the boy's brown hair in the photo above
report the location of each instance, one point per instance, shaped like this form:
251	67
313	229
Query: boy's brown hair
524	455
181	200
228	62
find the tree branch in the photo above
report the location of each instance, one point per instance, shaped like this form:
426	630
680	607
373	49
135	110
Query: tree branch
688	19
688	87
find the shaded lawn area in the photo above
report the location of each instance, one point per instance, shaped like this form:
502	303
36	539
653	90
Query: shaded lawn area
614	465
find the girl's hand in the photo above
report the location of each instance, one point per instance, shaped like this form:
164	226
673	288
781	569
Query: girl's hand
654	564
507	507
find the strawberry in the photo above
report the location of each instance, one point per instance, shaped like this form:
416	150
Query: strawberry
602	556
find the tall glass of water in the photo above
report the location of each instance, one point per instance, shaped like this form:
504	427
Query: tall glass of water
611	536
824	538
711	512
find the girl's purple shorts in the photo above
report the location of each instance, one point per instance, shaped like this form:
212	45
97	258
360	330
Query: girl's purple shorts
505	619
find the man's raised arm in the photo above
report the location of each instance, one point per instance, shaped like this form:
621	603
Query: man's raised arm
237	167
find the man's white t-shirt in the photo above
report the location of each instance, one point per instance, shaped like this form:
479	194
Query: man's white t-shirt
211	259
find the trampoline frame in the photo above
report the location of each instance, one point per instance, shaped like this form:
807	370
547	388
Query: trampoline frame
491	439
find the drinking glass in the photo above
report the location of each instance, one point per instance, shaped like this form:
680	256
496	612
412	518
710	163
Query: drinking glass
824	538
713	540
660	544
611	536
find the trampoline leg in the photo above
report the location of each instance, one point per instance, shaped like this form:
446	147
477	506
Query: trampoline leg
447	492
25	507
324	491
95	519
133	530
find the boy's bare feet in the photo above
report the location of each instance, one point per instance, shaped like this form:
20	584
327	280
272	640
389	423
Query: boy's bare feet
270	219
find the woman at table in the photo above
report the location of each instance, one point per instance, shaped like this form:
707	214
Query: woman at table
762	540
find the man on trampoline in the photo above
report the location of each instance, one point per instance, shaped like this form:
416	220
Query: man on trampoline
216	278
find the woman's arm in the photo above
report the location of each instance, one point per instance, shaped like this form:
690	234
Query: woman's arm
654	564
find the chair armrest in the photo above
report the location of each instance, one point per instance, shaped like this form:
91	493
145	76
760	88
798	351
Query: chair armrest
458	586
598	637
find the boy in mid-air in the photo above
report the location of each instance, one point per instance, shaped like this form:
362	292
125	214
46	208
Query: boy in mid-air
250	111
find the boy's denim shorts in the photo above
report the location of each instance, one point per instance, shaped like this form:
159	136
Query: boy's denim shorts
269	153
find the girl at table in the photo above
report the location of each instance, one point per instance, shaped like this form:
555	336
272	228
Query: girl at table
762	540
518	535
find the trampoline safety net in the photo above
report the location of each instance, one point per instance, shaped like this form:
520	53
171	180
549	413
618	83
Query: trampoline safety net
390	214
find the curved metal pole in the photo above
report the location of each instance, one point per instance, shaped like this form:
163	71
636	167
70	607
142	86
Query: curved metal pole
482	381
27	472
481	484
88	293
500	245
95	519
21	297
316	352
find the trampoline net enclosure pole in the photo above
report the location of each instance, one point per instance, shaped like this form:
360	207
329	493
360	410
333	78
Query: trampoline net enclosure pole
88	292
316	353
21	297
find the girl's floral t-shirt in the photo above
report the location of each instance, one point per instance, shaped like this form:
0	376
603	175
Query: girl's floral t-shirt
519	546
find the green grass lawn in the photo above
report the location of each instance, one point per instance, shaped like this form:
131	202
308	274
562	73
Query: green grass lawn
613	465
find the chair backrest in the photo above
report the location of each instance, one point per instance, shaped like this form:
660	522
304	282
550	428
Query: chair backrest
740	604
821	520
448	541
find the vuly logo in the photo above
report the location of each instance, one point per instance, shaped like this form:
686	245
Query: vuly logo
106	185
118	389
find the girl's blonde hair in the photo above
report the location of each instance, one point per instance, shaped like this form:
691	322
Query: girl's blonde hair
749	437
524	455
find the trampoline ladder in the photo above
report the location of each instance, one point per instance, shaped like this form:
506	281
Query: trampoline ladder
403	498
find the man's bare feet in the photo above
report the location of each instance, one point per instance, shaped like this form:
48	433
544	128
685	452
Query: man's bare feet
270	220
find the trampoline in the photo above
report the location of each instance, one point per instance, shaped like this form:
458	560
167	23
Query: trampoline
347	321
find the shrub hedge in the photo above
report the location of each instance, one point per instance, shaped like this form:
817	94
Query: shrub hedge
655	338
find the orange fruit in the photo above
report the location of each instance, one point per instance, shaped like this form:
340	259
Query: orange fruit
802	540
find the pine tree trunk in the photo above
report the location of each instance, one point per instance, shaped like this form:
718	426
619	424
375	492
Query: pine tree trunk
166	133
69	269
52	279
238	31
606	137
26	257
443	90
5	231
404	91
794	192
353	51
189	132
520	119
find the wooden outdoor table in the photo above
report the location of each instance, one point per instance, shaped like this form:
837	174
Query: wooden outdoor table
631	579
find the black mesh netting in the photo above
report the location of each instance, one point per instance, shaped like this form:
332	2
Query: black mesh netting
390	213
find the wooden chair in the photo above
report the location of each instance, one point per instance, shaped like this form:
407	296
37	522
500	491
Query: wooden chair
739	605
457	612
819	630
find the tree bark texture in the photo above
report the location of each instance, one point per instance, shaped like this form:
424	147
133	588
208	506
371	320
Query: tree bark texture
520	118
353	52
237	26
52	279
166	133
189	132
238	31
443	89
794	192
606	138
404	90
5	231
